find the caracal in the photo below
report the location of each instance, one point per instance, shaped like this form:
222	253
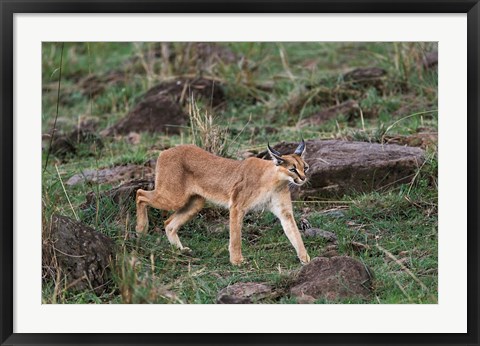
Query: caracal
186	176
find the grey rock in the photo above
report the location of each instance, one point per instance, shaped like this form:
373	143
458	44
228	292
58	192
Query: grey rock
333	278
341	167
244	293
81	253
111	175
338	214
317	232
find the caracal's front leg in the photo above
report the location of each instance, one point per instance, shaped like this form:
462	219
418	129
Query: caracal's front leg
282	208
235	245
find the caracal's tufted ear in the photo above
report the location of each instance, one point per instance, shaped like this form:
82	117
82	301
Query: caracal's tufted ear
301	149
276	156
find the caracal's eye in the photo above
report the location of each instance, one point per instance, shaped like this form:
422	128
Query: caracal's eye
306	168
293	169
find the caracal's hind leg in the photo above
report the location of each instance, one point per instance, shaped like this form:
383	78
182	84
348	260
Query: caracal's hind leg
180	217
148	199
143	200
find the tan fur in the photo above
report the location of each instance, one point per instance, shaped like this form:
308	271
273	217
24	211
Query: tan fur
186	176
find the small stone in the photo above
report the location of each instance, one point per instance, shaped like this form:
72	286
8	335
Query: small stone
331	251
335	213
305	299
364	74
317	232
134	138
244	293
359	247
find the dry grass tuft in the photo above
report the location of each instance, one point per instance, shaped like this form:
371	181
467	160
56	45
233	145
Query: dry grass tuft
205	132
138	284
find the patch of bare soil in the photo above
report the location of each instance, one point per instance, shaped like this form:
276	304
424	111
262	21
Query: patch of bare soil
160	109
155	113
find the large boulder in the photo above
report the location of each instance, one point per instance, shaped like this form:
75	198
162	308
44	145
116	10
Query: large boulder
81	254
340	167
339	277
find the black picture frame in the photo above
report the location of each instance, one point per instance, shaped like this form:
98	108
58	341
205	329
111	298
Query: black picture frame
7	175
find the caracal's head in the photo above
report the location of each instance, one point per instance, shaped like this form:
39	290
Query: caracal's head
291	167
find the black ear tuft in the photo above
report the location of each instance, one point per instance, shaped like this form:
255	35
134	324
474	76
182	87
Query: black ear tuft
276	156
300	149
270	149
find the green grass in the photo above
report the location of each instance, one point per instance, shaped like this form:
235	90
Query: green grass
402	221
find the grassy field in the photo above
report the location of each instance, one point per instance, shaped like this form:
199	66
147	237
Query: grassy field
273	86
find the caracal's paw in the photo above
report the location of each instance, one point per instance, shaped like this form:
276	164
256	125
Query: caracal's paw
141	230
305	259
186	250
237	261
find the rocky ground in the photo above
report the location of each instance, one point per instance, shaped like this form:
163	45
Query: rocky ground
368	214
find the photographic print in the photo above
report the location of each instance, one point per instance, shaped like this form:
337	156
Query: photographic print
239	173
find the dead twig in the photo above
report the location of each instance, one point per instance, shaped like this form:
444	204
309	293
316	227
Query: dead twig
66	195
